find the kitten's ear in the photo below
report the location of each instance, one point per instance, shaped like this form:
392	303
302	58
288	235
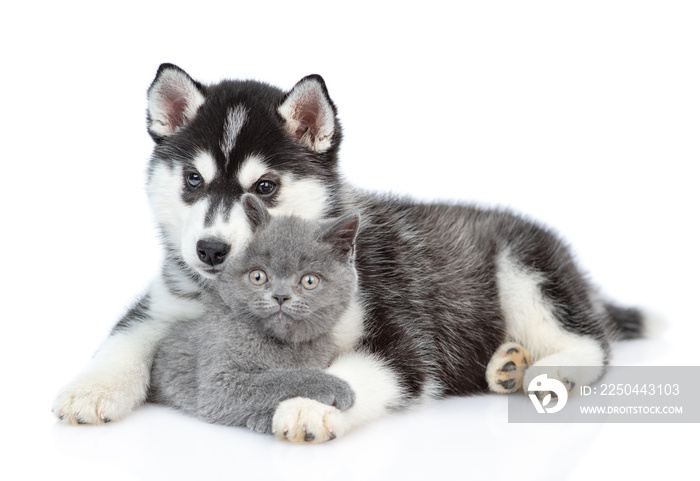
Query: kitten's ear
309	113
341	234
258	216
173	101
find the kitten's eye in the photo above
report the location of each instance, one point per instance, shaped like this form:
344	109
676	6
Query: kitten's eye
310	281
193	180
257	277
266	188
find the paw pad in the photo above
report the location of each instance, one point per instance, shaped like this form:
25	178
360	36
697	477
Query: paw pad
506	369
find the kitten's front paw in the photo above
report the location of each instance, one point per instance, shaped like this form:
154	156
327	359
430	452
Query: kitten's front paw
302	420
101	396
329	390
506	370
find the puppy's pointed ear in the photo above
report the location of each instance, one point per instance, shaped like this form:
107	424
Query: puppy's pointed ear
173	101
341	234
258	216
309	113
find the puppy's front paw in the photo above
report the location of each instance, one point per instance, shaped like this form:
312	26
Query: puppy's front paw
100	396
302	420
506	369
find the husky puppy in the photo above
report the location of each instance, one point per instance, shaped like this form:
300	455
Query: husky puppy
452	299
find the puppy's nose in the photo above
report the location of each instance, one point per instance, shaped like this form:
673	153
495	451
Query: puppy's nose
212	252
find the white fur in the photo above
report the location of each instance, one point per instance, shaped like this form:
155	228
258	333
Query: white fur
376	386
299	417
233	124
164	191
205	165
191	231
349	329
116	380
580	365
306	198
252	169
530	321
377	392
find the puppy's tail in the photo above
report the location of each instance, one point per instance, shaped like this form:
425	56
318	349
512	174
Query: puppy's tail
629	322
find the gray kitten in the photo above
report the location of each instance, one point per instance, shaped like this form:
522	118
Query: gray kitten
268	333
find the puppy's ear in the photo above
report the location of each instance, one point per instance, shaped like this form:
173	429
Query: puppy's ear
173	101
341	234
309	114
258	216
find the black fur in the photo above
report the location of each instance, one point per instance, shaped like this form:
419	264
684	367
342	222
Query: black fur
446	331
428	273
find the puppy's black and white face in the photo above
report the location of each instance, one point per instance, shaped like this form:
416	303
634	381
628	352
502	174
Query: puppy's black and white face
216	143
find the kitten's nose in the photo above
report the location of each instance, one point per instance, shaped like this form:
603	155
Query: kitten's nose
281	298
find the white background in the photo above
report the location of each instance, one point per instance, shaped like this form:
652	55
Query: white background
584	116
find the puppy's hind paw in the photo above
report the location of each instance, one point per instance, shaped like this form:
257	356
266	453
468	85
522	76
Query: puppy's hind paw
506	370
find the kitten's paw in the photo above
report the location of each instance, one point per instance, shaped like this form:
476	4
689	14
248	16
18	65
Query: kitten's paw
101	396
330	390
302	420
506	370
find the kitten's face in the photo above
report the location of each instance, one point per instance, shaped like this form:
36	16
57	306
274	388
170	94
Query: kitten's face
293	308
287	283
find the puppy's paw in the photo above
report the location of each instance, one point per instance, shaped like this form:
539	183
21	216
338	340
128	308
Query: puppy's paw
302	420
506	370
100	396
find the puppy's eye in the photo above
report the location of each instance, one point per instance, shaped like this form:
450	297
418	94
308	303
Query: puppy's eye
257	277
193	180
310	282
266	188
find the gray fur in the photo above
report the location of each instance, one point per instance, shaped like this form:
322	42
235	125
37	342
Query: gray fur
238	362
432	309
428	279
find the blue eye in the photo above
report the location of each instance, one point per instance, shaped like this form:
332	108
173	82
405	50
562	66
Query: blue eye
266	188
194	180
